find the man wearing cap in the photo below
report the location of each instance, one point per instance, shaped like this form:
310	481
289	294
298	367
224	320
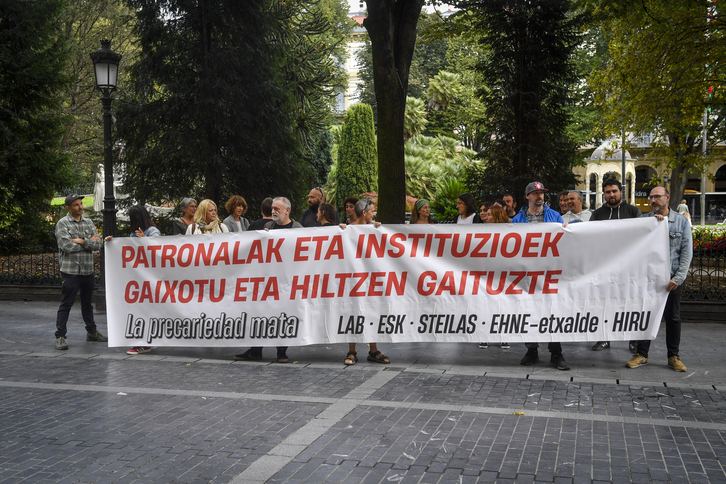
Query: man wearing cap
536	211
77	239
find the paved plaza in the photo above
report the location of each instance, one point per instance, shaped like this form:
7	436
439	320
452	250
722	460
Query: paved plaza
447	413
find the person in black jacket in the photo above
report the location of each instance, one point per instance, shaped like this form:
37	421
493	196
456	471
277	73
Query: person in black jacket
309	217
615	207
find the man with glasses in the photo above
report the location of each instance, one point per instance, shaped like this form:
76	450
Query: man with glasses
615	208
280	220
681	253
309	217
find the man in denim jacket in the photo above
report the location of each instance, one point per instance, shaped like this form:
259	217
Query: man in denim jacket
681	251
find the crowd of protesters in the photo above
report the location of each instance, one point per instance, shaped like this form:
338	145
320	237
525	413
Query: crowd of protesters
78	238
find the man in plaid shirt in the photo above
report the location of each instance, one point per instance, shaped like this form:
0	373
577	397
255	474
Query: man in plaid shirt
77	239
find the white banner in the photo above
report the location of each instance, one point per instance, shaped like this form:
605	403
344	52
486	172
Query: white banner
398	283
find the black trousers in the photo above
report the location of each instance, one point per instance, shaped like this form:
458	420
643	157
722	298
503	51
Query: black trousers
71	285
555	348
256	351
672	315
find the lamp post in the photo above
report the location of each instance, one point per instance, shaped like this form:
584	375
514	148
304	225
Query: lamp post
105	66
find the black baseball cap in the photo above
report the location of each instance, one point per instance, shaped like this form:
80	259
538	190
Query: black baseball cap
534	187
72	198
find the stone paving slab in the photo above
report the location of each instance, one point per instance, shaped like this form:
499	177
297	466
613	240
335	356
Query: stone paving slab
689	404
374	444
445	413
51	435
183	374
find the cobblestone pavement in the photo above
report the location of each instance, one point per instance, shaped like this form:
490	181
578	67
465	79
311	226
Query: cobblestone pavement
448	413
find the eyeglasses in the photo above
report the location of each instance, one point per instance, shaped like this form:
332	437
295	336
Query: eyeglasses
655	197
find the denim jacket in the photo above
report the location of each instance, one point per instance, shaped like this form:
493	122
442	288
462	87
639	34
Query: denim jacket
681	244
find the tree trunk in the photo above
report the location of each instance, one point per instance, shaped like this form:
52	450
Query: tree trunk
391	26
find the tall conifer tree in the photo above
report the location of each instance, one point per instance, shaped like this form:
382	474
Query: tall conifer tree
32	60
357	161
528	73
228	95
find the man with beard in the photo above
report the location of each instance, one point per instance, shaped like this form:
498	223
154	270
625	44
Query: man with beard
309	217
77	239
280	220
510	205
537	212
681	253
615	207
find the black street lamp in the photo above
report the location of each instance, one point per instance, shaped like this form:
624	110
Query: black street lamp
105	66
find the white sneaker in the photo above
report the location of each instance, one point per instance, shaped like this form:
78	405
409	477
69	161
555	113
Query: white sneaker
137	350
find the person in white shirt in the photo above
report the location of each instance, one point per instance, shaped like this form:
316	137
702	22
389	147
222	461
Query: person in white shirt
576	212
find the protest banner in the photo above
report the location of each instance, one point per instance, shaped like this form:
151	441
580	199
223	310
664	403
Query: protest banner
398	283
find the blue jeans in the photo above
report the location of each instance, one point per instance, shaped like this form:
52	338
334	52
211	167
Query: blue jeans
71	285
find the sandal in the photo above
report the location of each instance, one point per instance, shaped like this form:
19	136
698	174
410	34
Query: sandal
352	356
377	357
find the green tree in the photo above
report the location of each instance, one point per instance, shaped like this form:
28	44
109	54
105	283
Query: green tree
429	57
84	24
658	76
429	160
415	118
357	161
443	89
366	89
320	159
443	94
590	56
33	53
527	74
228	97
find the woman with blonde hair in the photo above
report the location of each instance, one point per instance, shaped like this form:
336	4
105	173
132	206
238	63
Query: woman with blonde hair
206	221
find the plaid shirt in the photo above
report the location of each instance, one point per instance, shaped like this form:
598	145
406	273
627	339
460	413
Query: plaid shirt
76	259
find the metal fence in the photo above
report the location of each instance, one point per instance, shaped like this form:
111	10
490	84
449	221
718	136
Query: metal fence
706	279
707	276
81	189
